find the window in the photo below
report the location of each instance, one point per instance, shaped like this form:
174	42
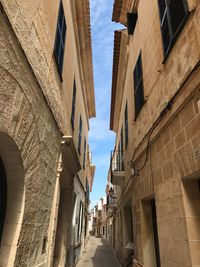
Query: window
173	14
87	187
59	46
122	141
73	105
155	232
84	155
119	159
128	223
80	135
126	126
138	86
120	155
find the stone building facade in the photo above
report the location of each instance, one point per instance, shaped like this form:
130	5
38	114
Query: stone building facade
155	113
98	219
46	101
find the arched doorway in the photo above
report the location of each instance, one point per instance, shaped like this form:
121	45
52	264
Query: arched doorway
3	197
11	199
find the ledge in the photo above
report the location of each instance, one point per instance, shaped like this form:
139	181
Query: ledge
70	154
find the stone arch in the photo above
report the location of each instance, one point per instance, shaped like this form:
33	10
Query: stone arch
14	171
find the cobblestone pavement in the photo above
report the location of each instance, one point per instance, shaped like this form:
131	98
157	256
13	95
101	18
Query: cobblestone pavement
98	254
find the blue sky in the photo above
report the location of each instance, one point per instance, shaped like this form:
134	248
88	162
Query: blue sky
100	138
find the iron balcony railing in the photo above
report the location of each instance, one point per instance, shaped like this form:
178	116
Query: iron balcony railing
117	161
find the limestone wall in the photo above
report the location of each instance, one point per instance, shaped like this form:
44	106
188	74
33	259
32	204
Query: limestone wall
172	170
27	120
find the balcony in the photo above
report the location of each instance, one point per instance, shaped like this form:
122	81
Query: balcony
117	167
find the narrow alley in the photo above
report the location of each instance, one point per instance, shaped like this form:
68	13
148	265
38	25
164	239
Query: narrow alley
98	254
99	133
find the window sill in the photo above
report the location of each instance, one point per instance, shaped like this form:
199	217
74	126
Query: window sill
176	37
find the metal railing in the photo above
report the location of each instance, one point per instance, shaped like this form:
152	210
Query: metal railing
117	160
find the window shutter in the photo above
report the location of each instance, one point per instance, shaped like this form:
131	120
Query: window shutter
80	135
138	86
59	46
84	156
173	14
131	22
126	126
177	14
73	105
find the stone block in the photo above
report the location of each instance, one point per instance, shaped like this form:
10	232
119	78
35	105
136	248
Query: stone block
187	114
175	126
192	128
193	224
180	139
195	252
168	170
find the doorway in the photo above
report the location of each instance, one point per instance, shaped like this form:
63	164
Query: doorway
128	224
191	200
150	238
12	195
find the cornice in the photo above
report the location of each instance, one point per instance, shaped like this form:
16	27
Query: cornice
121	8
116	57
85	43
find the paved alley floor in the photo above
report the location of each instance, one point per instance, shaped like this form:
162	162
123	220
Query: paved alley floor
98	254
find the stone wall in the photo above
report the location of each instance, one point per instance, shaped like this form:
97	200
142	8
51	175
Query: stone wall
171	166
27	120
172	170
161	81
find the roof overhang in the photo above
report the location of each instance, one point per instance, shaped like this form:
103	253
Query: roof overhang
116	57
92	173
121	8
85	42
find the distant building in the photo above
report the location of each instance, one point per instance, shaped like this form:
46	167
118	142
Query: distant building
155	113
98	217
46	101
